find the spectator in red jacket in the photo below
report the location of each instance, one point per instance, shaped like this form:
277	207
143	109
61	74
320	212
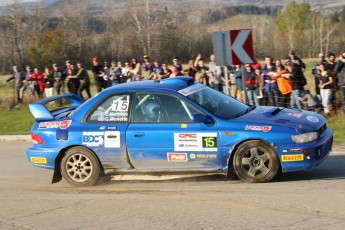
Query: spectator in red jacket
37	79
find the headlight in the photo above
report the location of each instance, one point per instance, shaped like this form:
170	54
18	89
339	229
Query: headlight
304	137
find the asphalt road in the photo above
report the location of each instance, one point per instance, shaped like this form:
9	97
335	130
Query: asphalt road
313	199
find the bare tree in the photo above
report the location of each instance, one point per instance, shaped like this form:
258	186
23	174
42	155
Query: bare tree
37	22
144	19
15	31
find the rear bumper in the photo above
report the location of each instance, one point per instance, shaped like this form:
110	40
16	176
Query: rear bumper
305	156
42	157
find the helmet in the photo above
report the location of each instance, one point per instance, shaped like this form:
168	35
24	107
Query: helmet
152	110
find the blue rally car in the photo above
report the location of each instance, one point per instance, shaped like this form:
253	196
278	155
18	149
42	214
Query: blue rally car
172	126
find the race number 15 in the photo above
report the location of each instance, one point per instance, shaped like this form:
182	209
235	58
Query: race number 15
209	142
120	106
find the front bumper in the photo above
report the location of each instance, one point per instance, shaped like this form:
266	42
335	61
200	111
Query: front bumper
304	156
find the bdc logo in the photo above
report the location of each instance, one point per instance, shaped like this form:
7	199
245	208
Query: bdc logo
92	138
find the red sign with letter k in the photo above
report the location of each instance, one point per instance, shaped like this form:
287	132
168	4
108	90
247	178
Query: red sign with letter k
241	43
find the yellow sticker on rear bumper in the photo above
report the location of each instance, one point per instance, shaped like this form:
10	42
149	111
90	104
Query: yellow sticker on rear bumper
293	157
39	160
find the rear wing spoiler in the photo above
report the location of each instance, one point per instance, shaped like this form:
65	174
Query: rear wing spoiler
41	113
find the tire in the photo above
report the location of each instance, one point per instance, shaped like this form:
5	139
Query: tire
80	167
256	162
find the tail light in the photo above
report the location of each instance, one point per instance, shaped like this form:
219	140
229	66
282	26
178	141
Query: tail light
36	139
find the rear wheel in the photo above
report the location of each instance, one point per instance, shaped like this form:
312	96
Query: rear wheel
80	167
256	161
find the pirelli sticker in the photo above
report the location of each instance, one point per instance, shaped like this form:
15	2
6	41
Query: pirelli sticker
38	160
292	157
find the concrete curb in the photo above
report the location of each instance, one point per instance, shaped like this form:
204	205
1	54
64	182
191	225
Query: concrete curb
15	137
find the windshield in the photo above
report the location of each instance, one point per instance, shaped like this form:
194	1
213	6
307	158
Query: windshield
219	104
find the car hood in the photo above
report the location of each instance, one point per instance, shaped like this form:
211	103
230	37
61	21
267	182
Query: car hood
298	119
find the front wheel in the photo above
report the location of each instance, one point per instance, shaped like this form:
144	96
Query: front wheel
256	161
80	167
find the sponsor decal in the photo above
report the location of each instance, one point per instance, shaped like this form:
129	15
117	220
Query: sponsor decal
264	129
195	141
206	156
312	119
285	150
203	156
296	149
55	124
177	157
187	135
38	160
102	128
297	115
112	128
65	124
93	138
183	126
191	89
49	125
294	157
112	139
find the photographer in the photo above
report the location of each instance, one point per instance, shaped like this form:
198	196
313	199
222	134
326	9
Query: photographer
340	70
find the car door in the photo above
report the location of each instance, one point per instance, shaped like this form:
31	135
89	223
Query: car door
105	131
161	135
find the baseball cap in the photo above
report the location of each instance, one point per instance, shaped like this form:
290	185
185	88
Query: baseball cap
146	57
292	52
54	65
94	59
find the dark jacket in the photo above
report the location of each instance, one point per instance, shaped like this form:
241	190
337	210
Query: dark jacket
49	80
83	75
340	70
249	80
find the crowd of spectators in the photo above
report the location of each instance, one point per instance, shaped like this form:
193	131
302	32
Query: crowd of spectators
276	83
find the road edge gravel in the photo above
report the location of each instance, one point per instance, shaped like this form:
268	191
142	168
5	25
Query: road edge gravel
15	137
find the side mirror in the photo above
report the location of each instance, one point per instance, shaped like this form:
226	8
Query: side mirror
201	118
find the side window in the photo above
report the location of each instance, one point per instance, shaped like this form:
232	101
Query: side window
161	108
113	109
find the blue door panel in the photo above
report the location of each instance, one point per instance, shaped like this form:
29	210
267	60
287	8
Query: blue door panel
160	146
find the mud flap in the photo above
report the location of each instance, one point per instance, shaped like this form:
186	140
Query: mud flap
56	176
231	174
